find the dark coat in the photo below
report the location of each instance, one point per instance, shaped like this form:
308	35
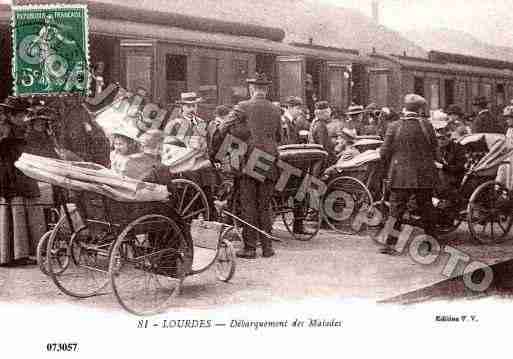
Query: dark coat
410	153
486	123
13	183
81	135
292	128
319	135
263	125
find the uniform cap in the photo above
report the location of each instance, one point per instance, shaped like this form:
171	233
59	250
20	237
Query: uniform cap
294	101
322	105
221	111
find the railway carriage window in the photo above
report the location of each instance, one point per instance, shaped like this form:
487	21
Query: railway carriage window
208	88
176	72
435	95
138	72
418	85
449	92
475	90
501	95
378	86
487	92
240	74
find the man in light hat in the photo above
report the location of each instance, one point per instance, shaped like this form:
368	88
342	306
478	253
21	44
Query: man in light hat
354	122
484	121
262	132
189	127
409	151
293	121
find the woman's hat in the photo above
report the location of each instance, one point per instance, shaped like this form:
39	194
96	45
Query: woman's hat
41	112
189	98
14	104
125	130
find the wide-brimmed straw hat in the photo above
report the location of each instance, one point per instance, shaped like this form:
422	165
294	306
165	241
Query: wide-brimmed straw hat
189	98
355	110
259	79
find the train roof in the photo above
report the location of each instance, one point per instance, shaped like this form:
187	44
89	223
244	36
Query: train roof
424	64
129	23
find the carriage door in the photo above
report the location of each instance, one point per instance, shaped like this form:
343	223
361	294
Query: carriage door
291	76
339	92
379	87
137	66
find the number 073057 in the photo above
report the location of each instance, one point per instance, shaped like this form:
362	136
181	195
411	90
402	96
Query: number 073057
62	347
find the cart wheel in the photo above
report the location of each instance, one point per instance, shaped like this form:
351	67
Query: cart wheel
87	257
489	213
308	219
344	199
148	264
225	261
41	252
192	201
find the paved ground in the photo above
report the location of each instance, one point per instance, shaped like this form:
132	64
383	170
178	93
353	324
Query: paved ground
331	265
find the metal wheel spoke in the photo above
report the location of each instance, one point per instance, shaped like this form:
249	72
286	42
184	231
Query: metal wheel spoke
191	202
182	198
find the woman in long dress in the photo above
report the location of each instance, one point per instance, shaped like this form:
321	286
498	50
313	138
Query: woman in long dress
18	228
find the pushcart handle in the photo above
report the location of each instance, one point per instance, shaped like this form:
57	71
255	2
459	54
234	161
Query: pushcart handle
221	205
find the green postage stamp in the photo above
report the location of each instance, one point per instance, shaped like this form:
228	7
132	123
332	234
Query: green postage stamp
50	50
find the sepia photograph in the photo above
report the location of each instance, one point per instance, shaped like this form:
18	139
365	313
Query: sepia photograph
288	178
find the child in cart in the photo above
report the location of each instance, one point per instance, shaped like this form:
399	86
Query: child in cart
123	145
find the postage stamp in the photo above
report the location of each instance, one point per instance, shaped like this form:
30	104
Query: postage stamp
50	50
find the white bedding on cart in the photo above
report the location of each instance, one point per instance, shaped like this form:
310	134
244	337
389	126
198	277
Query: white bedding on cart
91	177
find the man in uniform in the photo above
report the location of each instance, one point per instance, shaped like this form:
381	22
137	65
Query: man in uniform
293	121
319	130
484	121
261	132
410	150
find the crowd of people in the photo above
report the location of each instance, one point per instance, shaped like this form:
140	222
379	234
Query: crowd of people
413	146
